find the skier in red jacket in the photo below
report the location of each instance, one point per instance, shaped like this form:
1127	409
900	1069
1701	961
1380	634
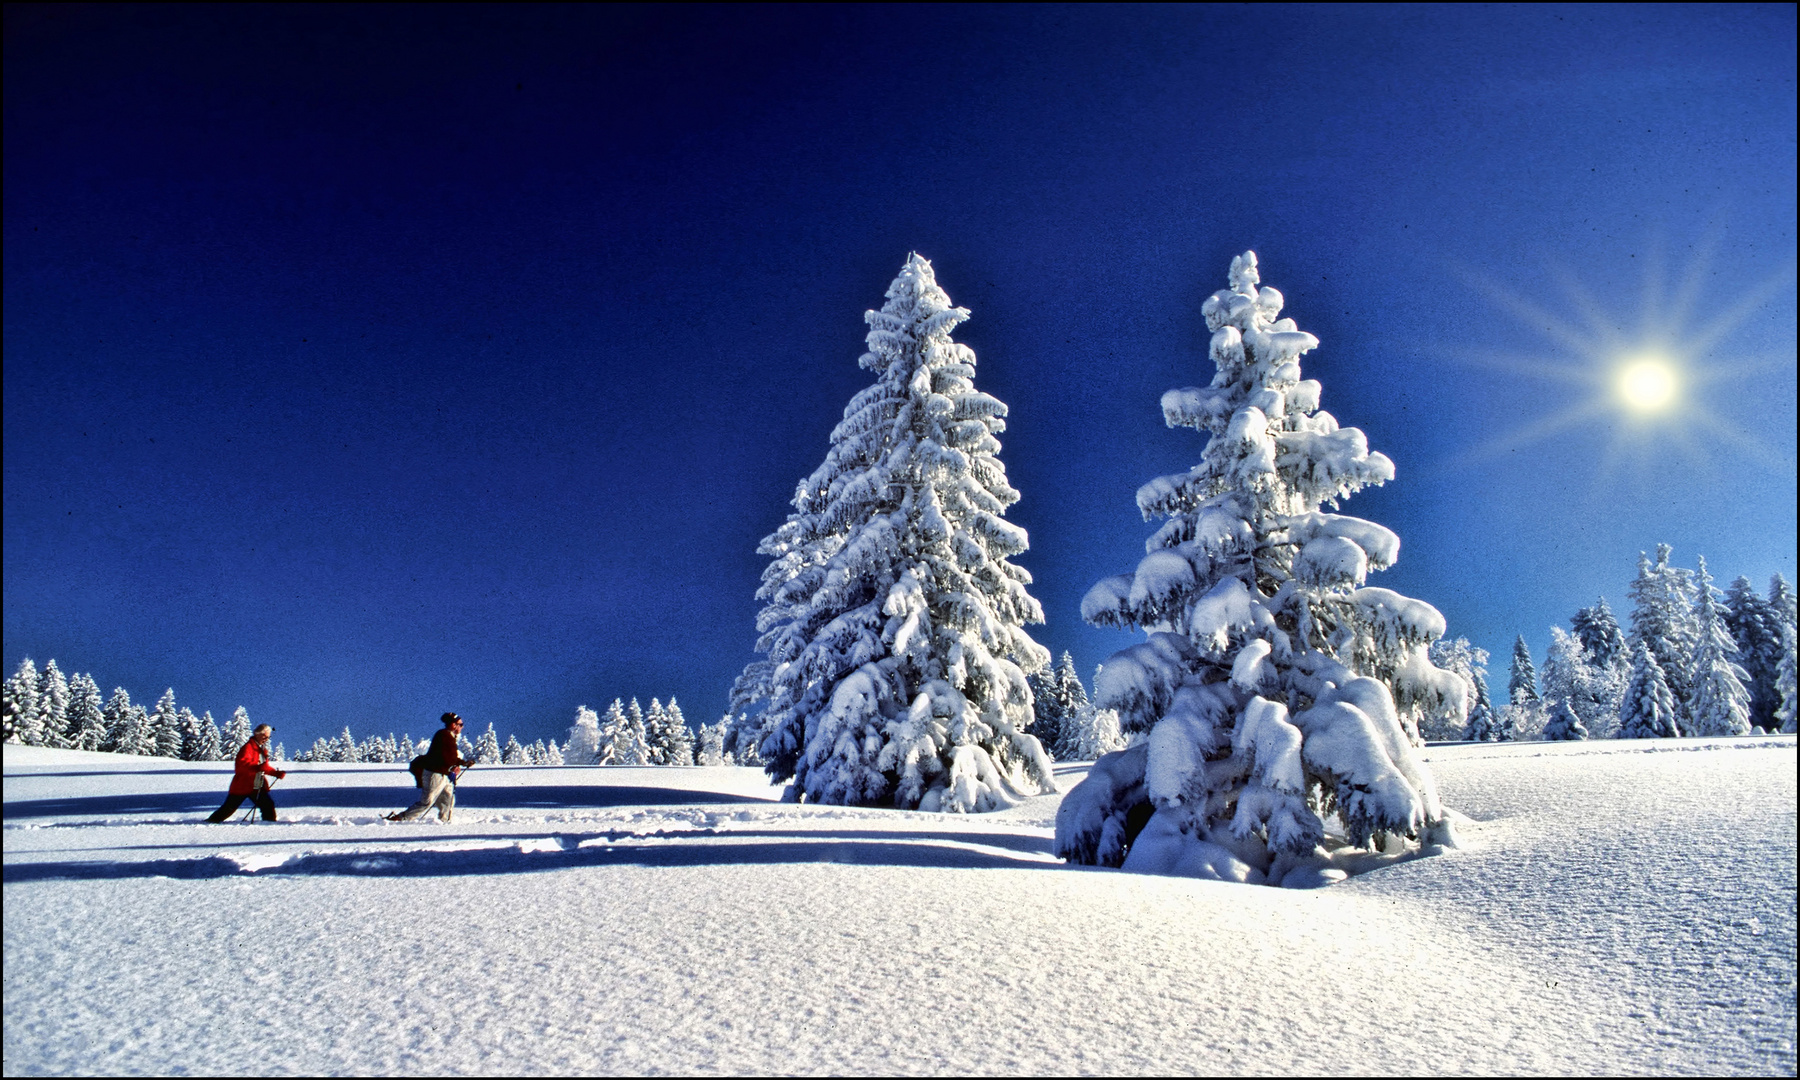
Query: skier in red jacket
250	779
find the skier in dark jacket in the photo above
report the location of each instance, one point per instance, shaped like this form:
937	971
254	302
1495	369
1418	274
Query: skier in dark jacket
443	763
250	779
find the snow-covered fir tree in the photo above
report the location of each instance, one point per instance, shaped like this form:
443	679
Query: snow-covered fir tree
487	747
1609	663
629	745
129	728
621	739
553	754
1522	684
237	733
1648	708
1593	692
1046	718
894	620
583	743
681	737
656	723
1756	629
1091	734
743	734
1601	635
344	748
1459	656
165	725
24	723
666	732
1058	696
87	713
211	741
1506	723
636	749
1275	689
1720	705
1564	723
53	705
1784	683
1662	617
514	753
189	726
709	744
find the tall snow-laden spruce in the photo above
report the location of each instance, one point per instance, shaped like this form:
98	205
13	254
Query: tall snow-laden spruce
87	718
53	705
894	622
1720	704
1522	685
1648	709
1471	663
1754	625
23	720
1278	695
1662	617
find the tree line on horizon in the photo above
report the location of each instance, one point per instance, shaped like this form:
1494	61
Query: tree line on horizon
1697	661
67	712
46	708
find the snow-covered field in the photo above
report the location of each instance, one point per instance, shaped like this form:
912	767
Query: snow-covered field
1620	907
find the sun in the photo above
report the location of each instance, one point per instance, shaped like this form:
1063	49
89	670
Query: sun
1647	385
1642	388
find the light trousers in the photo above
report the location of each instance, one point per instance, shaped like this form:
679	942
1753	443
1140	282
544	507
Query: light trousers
439	792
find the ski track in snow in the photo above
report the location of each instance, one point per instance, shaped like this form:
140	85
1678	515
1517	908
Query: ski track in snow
1619	907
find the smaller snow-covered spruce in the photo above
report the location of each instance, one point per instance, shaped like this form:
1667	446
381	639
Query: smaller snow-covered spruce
1662	618
23	723
1784	683
1564	724
53	705
893	627
1091	734
1590	691
1466	660
1719	704
1756	627
709	743
1278	695
1648	708
1058	698
1522	683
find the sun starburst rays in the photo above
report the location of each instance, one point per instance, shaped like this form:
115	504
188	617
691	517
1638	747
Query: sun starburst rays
1638	377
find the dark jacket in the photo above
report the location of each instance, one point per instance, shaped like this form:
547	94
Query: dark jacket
443	757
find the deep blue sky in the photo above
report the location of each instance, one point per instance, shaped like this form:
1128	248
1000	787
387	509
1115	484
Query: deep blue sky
366	363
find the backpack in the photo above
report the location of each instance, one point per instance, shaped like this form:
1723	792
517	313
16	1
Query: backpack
418	770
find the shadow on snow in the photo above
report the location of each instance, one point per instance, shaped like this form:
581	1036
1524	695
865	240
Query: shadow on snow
572	796
895	850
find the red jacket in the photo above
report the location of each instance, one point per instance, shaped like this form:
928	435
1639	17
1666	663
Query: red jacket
250	761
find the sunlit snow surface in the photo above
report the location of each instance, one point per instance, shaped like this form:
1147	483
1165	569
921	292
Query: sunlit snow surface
1619	907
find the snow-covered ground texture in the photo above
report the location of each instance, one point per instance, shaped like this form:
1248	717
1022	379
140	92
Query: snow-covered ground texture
1619	907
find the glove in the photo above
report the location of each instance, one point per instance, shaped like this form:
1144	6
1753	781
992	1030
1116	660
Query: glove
279	775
